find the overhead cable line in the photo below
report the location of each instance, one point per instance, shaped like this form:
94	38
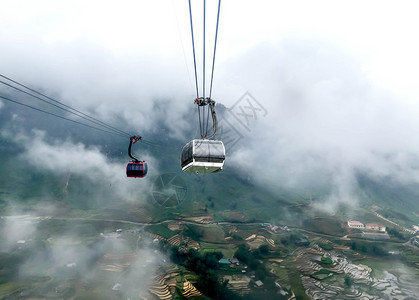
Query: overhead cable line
202	99
193	50
74	121
70	109
67	110
58	116
204	75
215	47
105	127
194	63
203	60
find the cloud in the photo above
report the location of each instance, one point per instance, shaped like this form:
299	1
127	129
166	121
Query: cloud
66	157
19	226
71	255
16	231
340	94
108	87
111	70
68	252
143	270
326	122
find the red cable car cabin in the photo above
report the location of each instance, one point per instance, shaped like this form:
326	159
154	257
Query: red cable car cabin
136	169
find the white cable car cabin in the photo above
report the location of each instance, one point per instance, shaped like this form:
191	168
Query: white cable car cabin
203	156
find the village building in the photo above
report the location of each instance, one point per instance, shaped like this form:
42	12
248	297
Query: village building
355	224
258	283
224	261
375	227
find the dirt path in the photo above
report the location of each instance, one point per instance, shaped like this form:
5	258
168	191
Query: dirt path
394	223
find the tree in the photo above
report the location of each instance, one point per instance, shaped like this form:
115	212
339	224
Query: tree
243	254
396	233
260	272
264	249
175	256
326	260
211	259
256	254
205	267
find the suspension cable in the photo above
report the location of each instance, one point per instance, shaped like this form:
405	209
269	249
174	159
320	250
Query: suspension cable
58	116
194	63
67	110
71	110
204	101
203	61
193	50
151	144
203	71
215	47
108	128
146	142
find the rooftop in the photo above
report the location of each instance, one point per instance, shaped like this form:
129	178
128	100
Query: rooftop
224	261
234	260
259	283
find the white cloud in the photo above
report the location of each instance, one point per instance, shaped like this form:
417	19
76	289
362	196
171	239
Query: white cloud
337	79
66	255
16	229
19	226
326	122
63	157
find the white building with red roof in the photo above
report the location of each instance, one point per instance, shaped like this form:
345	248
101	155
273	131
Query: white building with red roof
355	224
375	227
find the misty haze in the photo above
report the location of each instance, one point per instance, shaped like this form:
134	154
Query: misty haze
309	190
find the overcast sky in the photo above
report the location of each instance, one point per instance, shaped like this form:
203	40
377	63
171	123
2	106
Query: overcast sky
338	79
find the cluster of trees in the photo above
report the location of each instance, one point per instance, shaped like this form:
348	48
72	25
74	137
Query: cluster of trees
245	255
252	259
295	239
205	266
328	246
326	260
396	233
369	248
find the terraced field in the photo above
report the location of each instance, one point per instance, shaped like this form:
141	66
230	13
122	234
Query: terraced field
330	285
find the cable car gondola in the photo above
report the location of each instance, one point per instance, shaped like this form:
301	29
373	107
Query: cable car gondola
203	156
135	168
